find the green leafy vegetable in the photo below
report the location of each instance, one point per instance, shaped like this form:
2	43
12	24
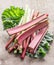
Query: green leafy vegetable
12	16
35	55
41	52
43	47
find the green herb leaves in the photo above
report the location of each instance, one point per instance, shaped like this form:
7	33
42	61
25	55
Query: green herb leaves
12	16
43	47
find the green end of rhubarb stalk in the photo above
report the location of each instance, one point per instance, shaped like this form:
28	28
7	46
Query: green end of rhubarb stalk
15	51
20	51
15	41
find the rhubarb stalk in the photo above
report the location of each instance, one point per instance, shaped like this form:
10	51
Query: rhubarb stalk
12	48
25	44
36	41
28	32
10	41
27	25
25	47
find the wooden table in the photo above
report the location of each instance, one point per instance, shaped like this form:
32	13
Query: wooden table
44	6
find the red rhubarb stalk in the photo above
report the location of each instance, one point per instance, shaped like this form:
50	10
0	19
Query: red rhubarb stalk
35	15
32	37
12	48
41	39
27	25
31	31
28	39
10	40
25	47
36	41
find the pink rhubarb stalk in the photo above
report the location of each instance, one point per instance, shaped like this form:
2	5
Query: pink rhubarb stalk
12	48
31	31
10	41
27	25
35	15
25	47
25	44
36	41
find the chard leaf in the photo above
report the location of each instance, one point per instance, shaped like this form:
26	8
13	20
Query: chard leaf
41	52
12	16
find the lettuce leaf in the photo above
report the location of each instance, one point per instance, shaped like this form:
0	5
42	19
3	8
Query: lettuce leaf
12	16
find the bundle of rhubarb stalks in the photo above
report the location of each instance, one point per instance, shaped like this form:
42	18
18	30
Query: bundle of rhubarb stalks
31	38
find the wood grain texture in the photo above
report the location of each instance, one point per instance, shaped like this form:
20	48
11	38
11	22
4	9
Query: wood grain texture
44	6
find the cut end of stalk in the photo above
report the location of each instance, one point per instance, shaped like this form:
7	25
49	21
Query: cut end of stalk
46	14
15	51
10	49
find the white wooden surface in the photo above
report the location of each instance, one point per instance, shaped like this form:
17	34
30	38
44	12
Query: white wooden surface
44	6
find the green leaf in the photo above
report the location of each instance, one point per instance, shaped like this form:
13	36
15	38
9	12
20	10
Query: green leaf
12	14
7	24
35	55
41	52
46	45
49	34
27	53
30	55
